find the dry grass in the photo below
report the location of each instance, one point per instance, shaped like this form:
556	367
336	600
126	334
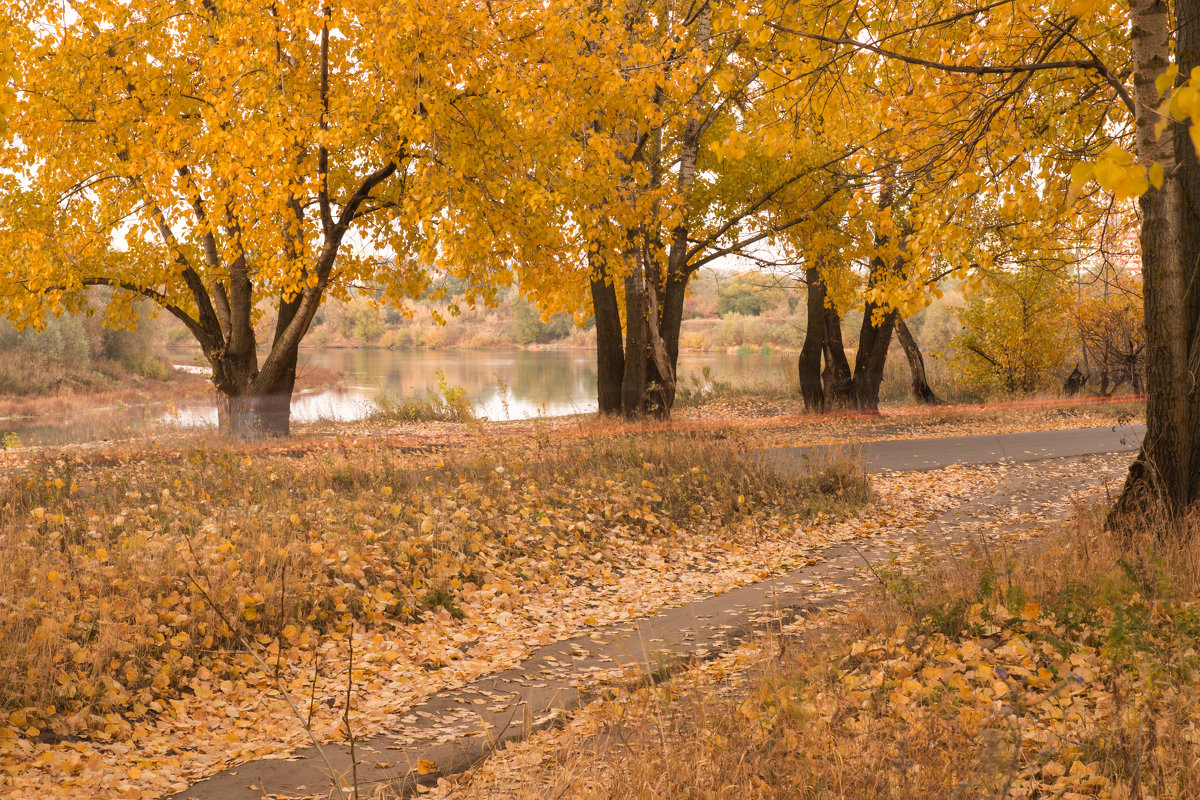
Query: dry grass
108	563
26	381
33	389
1070	670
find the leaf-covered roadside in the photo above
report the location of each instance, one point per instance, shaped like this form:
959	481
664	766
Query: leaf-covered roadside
117	676
1070	671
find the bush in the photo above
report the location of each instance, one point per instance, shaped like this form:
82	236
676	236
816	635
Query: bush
63	340
446	403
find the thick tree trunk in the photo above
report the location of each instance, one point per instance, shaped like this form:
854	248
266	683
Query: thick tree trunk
922	392
637	339
873	343
254	404
1166	474
809	364
252	415
251	402
610	350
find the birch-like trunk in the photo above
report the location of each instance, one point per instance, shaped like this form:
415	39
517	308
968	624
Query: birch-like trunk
670	307
1165	474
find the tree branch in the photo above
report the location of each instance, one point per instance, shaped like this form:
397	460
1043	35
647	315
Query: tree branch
310	298
1092	63
161	299
322	150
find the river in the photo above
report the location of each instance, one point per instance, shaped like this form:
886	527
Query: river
502	384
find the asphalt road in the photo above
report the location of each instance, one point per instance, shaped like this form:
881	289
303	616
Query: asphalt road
905	455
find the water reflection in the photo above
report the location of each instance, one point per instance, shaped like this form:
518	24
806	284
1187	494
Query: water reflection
501	385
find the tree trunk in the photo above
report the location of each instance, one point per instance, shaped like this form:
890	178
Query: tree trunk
837	378
873	343
253	415
809	364
610	351
254	404
670	312
633	384
670	322
660	368
1166	473
922	392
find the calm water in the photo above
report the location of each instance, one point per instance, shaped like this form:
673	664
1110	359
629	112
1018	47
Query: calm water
501	384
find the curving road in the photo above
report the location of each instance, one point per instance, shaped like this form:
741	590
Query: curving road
905	455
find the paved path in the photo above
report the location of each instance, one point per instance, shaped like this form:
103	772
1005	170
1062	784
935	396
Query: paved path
1013	448
455	728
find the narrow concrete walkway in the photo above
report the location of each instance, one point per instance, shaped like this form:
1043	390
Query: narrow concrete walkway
456	728
903	455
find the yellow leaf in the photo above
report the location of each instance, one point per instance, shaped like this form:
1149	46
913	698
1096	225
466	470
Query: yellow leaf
1156	175
1183	102
1081	174
1166	78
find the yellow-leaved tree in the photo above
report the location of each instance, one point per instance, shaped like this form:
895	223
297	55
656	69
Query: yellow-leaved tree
645	141
229	158
970	120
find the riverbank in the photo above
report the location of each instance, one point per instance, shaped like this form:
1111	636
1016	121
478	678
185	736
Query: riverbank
339	391
111	386
64	390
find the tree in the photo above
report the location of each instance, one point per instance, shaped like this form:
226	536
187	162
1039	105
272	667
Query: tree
1166	175
748	294
665	153
835	384
1015	334
713	170
216	156
1031	67
1107	312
